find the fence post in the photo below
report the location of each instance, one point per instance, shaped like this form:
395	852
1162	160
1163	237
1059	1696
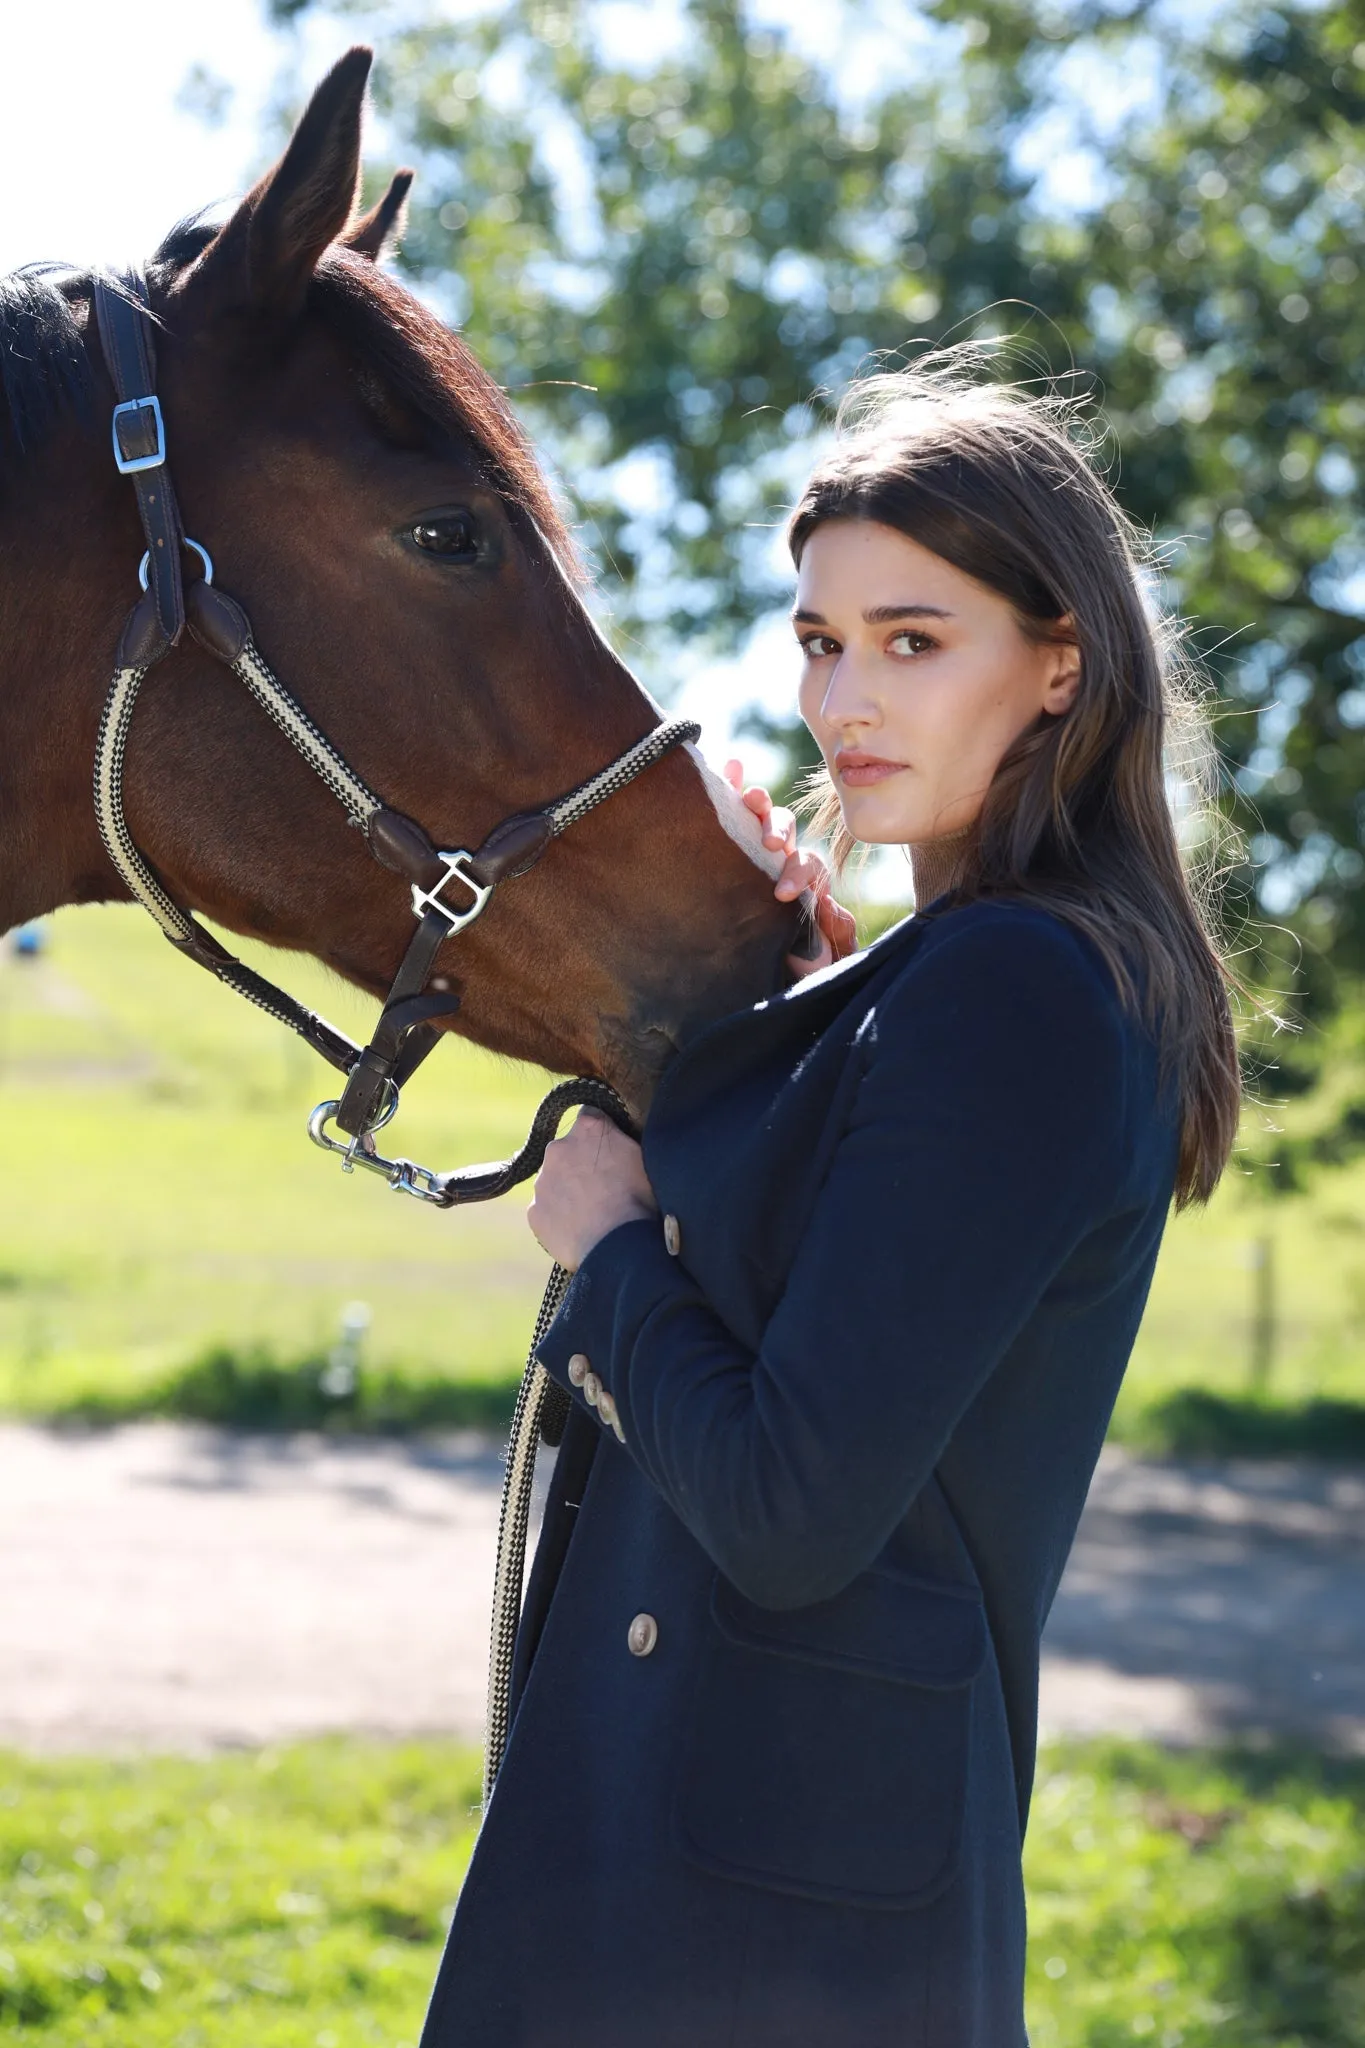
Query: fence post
1262	1313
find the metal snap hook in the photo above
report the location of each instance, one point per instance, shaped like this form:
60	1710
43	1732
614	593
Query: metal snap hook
144	566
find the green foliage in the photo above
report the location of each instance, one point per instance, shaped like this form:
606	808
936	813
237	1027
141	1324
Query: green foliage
739	237
296	1898
256	1390
285	1899
1195	1423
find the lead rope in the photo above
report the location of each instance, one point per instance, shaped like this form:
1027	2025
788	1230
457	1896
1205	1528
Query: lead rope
536	1392
540	1414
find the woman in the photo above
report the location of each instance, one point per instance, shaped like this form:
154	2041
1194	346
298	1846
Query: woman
844	1338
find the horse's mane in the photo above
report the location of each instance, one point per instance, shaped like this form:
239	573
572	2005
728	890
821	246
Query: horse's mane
45	371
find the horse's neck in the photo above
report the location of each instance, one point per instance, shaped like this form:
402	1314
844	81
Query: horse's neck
56	658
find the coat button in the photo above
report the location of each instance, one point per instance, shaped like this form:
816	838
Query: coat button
592	1389
578	1368
642	1635
672	1236
606	1408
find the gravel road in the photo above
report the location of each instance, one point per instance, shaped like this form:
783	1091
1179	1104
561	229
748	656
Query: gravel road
183	1588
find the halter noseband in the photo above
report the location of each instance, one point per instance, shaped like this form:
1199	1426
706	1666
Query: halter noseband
449	889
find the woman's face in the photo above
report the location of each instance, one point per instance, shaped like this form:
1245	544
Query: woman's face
916	680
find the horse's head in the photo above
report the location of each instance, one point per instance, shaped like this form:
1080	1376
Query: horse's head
369	498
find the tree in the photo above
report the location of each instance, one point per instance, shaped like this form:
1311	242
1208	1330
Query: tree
730	240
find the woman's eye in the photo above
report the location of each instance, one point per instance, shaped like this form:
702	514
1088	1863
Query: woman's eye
910	643
818	646
448	534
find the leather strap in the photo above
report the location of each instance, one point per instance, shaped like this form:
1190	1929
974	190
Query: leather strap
122	312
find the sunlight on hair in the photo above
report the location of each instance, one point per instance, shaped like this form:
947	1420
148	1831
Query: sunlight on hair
1110	814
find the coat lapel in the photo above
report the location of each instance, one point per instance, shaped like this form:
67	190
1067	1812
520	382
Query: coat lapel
738	1137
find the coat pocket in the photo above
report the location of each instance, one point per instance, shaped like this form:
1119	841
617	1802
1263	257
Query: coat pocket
828	1750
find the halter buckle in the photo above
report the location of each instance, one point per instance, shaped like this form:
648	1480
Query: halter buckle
134	410
424	900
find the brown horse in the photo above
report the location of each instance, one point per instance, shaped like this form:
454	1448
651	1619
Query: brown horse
368	496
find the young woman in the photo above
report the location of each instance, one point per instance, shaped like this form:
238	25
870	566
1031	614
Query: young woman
844	1337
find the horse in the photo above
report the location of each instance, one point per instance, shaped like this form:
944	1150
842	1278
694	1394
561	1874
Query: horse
370	498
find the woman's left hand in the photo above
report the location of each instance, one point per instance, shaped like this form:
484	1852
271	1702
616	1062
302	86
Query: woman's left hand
592	1180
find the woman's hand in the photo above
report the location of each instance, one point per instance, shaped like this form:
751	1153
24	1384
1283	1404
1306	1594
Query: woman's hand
803	870
592	1180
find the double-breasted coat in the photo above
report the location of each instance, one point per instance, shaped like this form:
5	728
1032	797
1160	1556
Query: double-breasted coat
776	1676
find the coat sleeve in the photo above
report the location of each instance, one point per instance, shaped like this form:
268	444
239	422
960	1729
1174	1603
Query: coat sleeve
984	1140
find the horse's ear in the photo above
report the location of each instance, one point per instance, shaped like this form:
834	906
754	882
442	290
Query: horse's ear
383	225
267	252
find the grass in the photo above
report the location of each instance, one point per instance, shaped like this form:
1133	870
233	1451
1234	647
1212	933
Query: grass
161	1196
297	1898
294	1898
162	1203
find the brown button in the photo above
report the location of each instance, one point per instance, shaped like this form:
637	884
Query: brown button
606	1407
642	1635
592	1389
578	1368
672	1236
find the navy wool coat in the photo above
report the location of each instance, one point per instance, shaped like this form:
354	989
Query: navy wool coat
776	1676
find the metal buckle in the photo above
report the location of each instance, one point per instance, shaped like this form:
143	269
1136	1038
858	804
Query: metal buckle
128	465
404	1176
424	900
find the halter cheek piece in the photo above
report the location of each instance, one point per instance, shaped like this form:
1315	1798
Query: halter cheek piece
449	890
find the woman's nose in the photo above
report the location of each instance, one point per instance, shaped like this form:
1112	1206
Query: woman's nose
849	698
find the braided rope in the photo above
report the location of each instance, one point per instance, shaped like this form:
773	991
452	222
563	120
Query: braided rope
569	809
541	1404
110	748
293	721
176	924
514	1519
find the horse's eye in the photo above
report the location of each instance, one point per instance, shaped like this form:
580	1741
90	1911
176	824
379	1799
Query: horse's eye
448	534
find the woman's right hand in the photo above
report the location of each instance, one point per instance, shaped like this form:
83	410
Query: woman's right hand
802	871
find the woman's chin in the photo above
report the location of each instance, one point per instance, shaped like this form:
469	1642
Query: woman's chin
876	823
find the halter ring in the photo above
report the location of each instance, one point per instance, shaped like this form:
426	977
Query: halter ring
144	566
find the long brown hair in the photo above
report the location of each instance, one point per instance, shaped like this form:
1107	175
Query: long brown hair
1088	810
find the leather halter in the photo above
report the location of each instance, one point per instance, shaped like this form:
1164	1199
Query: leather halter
449	889
406	1029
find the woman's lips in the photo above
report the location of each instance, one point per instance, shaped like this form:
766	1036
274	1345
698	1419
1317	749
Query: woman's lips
860	771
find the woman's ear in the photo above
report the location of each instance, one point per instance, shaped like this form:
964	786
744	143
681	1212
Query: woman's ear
1062	677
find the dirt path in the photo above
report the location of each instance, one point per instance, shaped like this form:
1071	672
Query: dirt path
162	1586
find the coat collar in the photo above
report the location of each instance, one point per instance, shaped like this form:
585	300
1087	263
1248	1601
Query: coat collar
809	1004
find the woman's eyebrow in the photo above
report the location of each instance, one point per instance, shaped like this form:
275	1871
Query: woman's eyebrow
880	615
883	614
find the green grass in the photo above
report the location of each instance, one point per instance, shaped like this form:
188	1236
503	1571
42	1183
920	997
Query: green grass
297	1898
1186	1900
294	1898
161	1200
161	1195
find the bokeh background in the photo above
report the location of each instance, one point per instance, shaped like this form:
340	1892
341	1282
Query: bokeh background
673	231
